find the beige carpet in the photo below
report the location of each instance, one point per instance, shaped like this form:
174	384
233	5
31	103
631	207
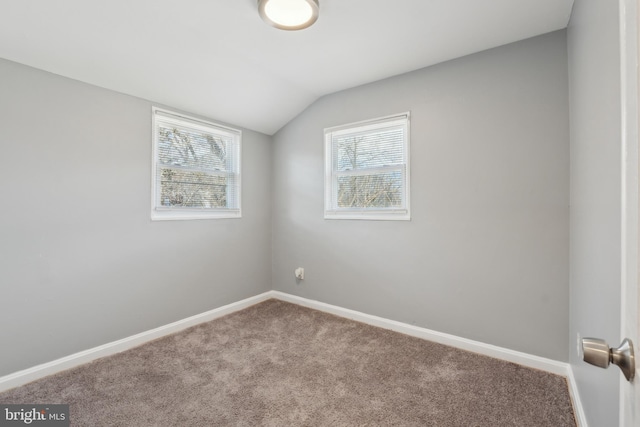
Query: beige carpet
278	364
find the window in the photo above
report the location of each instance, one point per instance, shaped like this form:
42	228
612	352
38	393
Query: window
367	169
196	168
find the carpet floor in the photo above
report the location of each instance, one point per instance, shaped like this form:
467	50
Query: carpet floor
279	364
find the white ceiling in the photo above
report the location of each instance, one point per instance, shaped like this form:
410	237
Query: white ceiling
218	59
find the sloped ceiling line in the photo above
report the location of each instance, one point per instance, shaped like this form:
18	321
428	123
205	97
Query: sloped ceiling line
218	59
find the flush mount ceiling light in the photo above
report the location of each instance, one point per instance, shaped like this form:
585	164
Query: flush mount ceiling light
289	14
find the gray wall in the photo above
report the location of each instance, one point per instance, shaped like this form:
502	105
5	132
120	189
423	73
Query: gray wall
594	75
485	255
81	263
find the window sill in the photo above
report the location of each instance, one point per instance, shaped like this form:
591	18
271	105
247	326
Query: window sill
167	215
371	216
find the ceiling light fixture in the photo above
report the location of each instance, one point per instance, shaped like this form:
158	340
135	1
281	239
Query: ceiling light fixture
289	14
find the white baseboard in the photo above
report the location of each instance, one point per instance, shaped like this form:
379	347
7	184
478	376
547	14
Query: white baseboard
559	368
578	410
40	371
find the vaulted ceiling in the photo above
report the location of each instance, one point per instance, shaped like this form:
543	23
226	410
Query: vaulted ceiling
218	59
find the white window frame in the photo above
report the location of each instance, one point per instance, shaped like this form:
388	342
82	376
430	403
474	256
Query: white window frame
331	209
158	212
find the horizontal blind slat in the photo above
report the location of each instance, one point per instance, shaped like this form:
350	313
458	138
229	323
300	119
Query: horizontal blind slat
371	149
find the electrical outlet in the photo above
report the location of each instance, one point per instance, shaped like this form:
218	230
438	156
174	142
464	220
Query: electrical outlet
299	272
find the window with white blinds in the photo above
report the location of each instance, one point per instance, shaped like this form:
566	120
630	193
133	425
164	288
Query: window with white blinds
367	169
196	168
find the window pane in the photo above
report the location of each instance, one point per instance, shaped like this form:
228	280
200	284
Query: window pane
378	148
381	190
179	188
191	148
367	169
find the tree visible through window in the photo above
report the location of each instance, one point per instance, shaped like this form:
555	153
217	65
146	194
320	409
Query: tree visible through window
196	169
367	170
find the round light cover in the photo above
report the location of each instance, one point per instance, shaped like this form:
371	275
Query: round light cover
289	14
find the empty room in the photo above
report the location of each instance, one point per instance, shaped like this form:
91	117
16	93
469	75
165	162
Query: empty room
319	213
